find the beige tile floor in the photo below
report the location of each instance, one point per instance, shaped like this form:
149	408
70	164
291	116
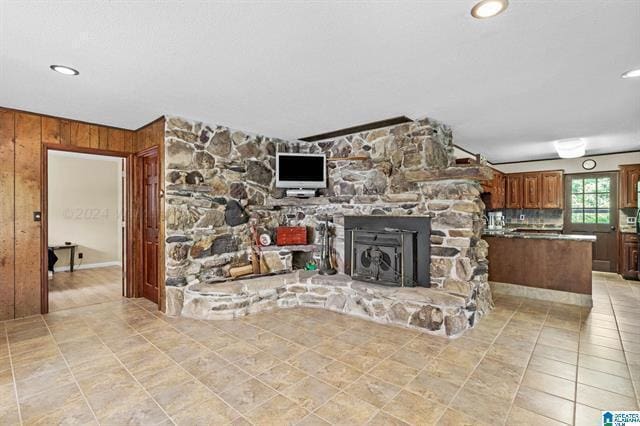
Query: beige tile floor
528	362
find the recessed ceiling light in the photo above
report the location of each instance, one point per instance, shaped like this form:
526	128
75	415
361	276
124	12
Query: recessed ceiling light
570	148
489	8
631	73
64	70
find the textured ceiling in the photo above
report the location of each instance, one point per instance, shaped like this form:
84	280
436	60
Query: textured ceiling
543	70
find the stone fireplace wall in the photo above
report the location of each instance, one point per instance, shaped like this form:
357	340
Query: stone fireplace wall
220	181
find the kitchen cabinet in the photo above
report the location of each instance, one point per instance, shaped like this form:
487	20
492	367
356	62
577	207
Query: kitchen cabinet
629	176
531	190
494	191
552	190
514	191
534	190
628	265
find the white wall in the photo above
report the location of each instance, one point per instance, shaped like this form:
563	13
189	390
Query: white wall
85	199
605	163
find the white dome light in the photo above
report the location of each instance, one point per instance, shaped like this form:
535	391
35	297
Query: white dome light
488	8
631	73
62	69
570	148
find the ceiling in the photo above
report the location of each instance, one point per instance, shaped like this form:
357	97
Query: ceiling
542	70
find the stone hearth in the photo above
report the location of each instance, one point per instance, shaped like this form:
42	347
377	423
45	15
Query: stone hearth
432	310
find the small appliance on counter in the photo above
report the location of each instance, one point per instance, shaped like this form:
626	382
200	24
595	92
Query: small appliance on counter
496	220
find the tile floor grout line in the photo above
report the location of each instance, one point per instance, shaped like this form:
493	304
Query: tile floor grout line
136	380
378	409
13	374
479	362
624	352
286	361
75	379
194	377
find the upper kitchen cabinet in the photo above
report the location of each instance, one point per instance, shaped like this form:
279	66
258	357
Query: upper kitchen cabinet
532	190
629	176
493	191
514	191
552	190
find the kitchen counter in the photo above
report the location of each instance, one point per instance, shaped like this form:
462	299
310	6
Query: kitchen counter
544	261
538	236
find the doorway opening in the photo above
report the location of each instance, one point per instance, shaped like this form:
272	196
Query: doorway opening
86	228
590	208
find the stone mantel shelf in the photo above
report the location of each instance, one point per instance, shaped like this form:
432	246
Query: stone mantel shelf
431	310
460	172
298	247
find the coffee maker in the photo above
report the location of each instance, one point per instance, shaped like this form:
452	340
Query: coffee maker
496	220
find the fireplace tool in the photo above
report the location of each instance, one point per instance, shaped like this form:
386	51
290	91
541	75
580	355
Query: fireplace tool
325	250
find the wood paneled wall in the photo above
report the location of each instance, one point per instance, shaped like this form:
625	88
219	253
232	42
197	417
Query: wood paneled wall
22	135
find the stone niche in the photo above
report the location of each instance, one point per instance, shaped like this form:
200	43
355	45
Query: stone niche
221	182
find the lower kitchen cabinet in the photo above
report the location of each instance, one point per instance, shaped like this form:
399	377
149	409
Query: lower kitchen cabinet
628	267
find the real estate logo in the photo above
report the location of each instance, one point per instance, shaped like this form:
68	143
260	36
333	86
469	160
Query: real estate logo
621	418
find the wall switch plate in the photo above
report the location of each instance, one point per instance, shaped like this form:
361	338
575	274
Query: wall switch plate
631	221
521	217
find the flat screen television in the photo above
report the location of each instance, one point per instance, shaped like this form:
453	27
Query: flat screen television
308	171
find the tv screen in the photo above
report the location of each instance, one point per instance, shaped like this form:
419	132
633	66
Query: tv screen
300	170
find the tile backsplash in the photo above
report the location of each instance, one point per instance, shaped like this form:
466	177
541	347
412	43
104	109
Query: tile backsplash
546	217
625	226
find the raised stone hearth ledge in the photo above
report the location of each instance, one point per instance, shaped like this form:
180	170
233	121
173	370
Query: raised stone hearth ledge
432	310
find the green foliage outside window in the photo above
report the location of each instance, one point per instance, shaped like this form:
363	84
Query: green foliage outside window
591	200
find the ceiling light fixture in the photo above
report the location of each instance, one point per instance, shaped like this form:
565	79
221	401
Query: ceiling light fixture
489	8
570	148
62	69
631	73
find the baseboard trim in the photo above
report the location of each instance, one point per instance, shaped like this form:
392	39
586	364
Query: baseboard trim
66	268
541	294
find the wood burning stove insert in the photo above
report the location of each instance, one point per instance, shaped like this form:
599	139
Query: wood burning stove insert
388	250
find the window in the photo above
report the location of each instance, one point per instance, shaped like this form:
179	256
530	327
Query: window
591	200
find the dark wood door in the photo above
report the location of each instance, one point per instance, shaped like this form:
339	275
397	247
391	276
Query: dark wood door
590	201
629	177
514	191
531	191
551	190
150	223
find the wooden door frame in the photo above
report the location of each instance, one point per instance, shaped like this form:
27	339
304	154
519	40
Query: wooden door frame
127	243
137	182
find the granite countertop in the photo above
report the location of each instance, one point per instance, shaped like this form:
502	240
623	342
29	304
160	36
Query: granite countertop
534	228
538	236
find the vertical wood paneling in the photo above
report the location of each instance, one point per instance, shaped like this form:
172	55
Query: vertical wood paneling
80	134
21	138
129	141
103	137
65	132
94	137
51	130
7	248
116	140
28	144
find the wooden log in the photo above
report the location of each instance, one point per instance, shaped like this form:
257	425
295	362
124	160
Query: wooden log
239	271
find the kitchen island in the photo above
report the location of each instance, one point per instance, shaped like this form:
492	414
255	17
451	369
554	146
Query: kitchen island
541	260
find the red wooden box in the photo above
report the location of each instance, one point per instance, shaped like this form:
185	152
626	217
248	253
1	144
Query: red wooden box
291	235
